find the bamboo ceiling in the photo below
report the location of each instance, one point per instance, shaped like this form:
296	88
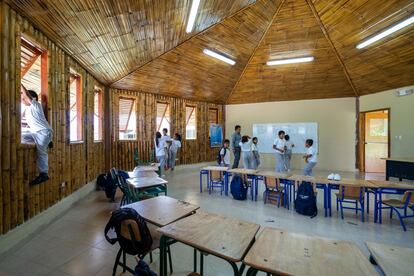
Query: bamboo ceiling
142	46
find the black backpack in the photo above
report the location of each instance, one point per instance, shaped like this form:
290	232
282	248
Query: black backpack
305	202
106	182
238	188
219	155
141	246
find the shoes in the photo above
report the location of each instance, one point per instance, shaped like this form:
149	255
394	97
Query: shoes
331	176
337	177
42	177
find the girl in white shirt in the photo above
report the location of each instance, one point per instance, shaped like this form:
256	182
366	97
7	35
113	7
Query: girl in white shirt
279	147
160	151
175	145
256	155
288	153
246	149
310	157
40	132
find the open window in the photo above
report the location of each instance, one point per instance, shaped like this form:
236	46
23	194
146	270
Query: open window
33	72
213	116
75	106
127	119
190	123
163	116
97	115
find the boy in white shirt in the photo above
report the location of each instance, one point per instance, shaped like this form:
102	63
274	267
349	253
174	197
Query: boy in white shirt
279	146
288	154
310	158
256	155
225	154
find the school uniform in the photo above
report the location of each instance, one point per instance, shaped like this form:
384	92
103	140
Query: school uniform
247	155
160	153
175	145
225	155
39	133
280	162
235	141
256	156
288	154
311	161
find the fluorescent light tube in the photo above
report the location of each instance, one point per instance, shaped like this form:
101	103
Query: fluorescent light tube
387	32
193	14
289	61
219	56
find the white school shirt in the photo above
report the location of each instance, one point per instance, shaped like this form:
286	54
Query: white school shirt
280	144
176	144
160	150
255	147
226	158
289	145
314	158
245	147
35	117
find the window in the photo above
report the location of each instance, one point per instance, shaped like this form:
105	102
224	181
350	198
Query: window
75	106
190	123
163	116
127	119
33	63
97	115
213	115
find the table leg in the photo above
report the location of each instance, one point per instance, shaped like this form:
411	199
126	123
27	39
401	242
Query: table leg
166	189
375	205
251	271
201	264
367	202
330	200
235	269
195	260
380	206
201	181
163	256
256	180
325	199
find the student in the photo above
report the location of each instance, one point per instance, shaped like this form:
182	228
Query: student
256	155
235	141
160	151
288	154
225	154
175	145
246	149
165	135
279	146
310	158
39	133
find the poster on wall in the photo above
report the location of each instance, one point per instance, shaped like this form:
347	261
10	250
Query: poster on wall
216	135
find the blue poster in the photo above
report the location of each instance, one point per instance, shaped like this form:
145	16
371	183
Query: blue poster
216	135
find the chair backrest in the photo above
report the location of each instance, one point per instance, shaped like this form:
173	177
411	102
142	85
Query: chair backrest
408	198
216	175
272	182
348	191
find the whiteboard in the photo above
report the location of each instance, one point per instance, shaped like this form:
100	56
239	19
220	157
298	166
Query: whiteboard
298	133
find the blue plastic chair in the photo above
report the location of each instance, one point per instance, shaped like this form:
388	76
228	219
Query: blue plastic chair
353	195
407	202
216	180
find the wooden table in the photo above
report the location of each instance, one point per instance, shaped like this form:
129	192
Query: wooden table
393	260
224	237
248	173
206	170
145	183
134	174
163	210
283	252
402	168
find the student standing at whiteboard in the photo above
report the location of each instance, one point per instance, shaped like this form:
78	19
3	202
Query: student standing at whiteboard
255	154
279	145
246	149
310	158
288	154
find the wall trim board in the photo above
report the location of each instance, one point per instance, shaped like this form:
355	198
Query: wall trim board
26	230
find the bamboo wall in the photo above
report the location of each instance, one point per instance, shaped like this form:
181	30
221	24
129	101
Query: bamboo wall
72	164
192	151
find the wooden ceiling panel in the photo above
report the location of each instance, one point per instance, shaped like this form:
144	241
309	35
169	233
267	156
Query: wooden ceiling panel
113	38
295	32
187	72
387	64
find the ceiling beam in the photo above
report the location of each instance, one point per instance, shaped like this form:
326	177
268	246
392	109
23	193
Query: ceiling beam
255	49
190	38
318	19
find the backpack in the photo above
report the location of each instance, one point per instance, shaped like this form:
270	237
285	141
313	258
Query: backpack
141	246
101	181
305	202
142	269
219	155
238	188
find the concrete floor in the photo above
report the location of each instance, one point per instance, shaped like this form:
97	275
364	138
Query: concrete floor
75	244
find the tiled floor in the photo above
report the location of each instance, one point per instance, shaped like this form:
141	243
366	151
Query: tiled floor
75	244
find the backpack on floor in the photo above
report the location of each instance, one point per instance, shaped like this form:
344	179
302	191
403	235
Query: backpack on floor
107	183
142	269
305	202
219	155
238	188
142	244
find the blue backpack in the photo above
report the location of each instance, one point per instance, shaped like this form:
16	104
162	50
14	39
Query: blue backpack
238	188
305	202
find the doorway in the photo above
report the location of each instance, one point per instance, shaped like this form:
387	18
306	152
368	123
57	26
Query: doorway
375	140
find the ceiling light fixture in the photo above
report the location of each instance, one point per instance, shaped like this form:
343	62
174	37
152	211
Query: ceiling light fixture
289	61
387	32
193	14
219	56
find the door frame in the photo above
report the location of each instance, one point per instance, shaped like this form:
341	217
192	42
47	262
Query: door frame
361	138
